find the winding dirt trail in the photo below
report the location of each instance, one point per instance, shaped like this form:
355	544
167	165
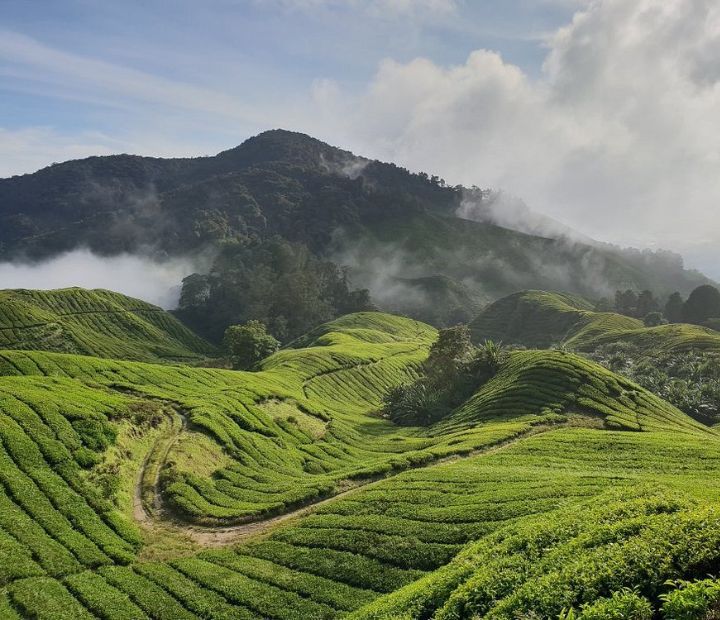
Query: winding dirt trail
149	512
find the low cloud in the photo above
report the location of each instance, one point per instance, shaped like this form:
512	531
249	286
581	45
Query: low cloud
503	209
616	137
155	281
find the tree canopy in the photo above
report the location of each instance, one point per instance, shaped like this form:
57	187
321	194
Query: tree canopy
278	282
702	304
674	308
454	369
248	344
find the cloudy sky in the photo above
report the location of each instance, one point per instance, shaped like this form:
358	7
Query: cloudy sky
604	114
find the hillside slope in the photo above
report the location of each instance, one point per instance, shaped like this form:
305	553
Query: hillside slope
397	232
542	319
103	463
98	322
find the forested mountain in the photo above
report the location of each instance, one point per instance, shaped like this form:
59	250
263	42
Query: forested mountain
400	235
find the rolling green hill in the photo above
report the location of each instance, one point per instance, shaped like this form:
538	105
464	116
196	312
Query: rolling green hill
542	319
132	490
99	323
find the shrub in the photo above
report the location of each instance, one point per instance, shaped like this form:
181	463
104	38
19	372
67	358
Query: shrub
622	605
653	319
692	600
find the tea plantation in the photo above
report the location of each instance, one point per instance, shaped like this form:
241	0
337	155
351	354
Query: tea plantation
98	322
145	490
541	319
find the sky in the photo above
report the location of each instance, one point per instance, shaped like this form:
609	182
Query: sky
604	114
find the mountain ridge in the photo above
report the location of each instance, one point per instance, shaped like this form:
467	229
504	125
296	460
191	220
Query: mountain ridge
392	230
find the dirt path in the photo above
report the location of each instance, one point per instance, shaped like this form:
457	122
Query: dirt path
147	499
149	512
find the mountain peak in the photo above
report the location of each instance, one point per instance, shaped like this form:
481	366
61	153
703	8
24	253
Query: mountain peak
285	146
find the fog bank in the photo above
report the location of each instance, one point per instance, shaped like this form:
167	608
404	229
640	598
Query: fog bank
153	280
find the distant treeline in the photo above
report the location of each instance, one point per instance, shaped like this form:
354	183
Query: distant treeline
702	307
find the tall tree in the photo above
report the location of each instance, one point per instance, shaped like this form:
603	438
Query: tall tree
703	304
646	304
449	354
626	302
674	308
280	283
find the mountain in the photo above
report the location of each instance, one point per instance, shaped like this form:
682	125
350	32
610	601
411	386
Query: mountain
422	248
276	183
98	323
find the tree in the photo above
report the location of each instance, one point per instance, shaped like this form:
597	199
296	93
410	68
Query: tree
488	359
449	354
280	283
453	371
626	302
646	304
674	308
195	290
703	304
248	344
653	319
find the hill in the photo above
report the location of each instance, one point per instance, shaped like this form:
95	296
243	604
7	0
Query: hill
135	490
399	234
98	323
542	319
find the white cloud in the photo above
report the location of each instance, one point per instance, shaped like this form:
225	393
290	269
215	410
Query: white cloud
73	76
159	284
617	137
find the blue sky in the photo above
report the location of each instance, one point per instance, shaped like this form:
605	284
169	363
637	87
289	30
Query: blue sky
601	113
254	63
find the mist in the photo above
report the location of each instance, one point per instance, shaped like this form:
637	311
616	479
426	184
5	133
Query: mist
504	209
153	280
616	141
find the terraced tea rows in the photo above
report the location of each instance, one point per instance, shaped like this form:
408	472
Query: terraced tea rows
530	449
99	323
51	520
550	382
407	528
652	517
277	463
542	319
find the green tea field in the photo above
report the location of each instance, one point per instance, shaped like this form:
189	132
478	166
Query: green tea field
542	319
100	323
132	490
